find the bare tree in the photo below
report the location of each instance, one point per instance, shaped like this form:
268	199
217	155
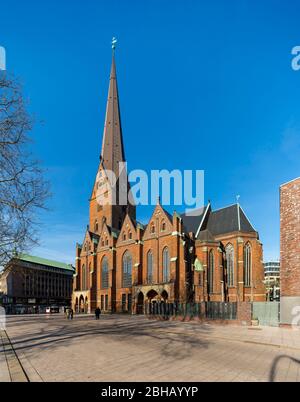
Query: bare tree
23	190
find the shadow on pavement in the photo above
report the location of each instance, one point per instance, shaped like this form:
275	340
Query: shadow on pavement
173	341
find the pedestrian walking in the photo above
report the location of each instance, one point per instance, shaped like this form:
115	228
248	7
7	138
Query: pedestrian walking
97	313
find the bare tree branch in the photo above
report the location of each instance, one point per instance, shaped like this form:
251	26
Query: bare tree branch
23	190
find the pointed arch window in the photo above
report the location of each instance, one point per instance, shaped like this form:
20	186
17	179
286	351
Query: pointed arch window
84	277
166	265
149	267
127	270
96	226
247	264
163	226
88	269
210	272
104	273
230	264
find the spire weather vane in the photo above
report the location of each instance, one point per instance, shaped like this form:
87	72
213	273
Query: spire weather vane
114	43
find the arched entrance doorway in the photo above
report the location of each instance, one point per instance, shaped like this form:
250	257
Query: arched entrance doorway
140	303
76	307
164	295
152	294
152	302
81	304
164	306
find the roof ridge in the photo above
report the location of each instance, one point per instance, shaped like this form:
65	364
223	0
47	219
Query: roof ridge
247	218
42	260
228	206
238	216
193	210
203	217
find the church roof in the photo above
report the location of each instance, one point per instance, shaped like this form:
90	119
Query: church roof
138	224
191	222
205	235
206	223
94	235
229	219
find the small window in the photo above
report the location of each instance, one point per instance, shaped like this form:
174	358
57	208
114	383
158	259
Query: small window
163	226
152	228
124	236
106	242
96	226
102	243
130	235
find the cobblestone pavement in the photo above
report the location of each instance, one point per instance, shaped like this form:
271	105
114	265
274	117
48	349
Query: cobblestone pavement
133	348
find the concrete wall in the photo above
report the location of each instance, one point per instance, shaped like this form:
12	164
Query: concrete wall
290	310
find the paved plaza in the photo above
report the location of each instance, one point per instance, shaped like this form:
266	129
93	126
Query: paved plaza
133	348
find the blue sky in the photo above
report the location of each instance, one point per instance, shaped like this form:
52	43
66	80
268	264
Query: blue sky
203	85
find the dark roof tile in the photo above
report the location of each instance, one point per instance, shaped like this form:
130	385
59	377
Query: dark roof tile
226	220
205	235
191	221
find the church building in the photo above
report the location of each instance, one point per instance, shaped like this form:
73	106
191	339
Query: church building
122	264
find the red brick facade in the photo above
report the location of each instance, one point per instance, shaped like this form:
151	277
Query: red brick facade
289	249
122	264
290	238
221	290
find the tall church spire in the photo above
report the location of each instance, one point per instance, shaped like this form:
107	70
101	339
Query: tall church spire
112	146
109	200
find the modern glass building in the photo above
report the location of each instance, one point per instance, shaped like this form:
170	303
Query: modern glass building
272	280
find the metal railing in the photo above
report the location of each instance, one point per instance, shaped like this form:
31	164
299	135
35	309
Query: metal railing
204	310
